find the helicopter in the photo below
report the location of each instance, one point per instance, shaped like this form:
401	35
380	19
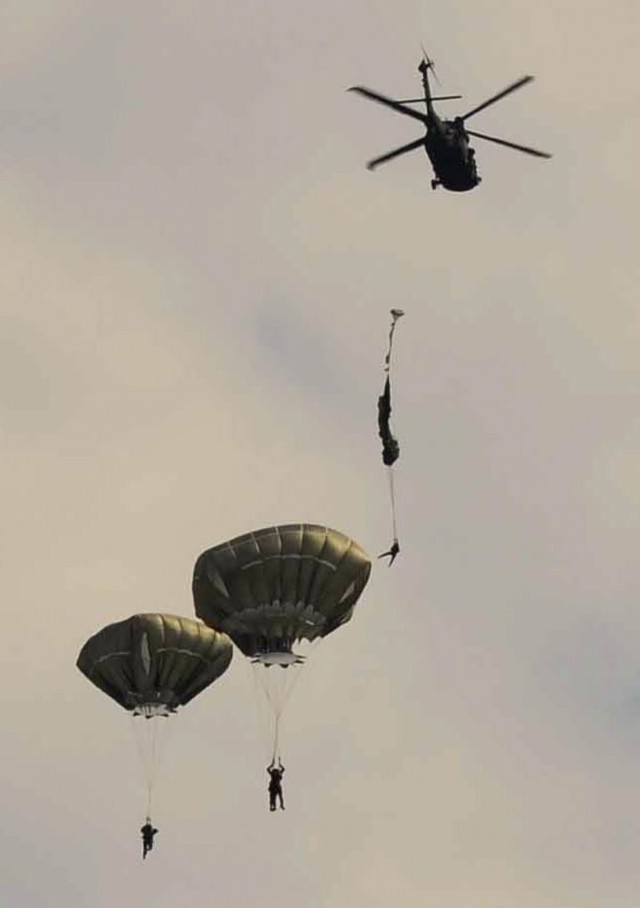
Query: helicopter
446	141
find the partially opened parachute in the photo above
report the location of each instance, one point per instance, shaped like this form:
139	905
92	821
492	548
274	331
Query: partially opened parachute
272	587
151	664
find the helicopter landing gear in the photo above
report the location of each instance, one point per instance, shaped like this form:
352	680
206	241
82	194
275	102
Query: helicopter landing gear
435	184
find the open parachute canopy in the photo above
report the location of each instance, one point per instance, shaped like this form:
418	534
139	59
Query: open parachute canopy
151	664
274	586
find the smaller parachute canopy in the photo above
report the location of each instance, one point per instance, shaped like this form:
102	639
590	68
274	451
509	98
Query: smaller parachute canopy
271	587
151	664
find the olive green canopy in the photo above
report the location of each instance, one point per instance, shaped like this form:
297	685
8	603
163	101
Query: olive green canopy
271	587
154	662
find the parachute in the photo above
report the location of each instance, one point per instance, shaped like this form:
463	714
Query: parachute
276	587
272	587
390	446
151	665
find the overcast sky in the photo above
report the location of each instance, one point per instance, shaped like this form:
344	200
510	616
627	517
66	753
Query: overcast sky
197	272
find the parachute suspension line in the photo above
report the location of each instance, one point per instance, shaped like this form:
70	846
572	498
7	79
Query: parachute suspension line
286	696
268	700
275	754
151	735
154	760
278	697
149	761
274	686
392	495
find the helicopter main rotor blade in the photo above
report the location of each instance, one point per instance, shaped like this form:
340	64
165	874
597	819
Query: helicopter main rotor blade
436	98
524	148
507	91
371	165
389	102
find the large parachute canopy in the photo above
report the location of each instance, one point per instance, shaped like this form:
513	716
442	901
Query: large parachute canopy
151	664
272	587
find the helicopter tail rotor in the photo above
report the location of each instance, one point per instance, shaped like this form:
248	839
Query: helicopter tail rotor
427	63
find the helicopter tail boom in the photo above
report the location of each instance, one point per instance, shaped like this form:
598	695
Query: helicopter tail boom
423	67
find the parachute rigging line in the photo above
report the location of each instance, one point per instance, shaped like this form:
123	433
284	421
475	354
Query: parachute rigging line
276	740
392	494
390	447
276	684
151	735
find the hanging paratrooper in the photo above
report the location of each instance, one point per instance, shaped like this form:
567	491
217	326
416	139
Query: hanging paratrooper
273	589
390	446
151	665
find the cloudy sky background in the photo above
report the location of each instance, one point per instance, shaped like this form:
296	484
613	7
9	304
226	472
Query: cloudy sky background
196	276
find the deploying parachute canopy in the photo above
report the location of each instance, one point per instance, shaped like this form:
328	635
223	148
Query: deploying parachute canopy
151	664
269	588
390	446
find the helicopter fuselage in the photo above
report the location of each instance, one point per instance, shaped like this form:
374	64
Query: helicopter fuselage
452	158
